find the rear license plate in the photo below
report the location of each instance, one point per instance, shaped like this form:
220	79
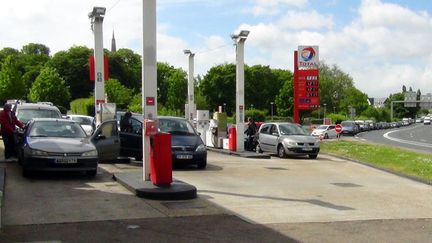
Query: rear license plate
307	149
184	156
66	160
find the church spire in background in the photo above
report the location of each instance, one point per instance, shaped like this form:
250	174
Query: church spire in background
113	43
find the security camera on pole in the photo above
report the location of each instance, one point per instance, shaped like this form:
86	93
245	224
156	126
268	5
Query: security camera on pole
97	16
239	40
191	101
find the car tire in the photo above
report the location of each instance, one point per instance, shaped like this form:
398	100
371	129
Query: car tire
202	164
281	152
313	156
26	172
258	149
91	173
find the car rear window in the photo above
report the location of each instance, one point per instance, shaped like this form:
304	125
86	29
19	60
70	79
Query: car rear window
25	115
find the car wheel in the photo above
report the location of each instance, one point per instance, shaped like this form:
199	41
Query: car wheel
281	151
26	172
258	149
313	156
91	173
202	164
326	136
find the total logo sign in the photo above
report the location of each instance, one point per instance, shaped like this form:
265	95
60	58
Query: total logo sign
308	57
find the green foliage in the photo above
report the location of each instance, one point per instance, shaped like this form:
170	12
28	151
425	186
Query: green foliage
11	84
125	66
83	106
284	100
117	93
49	86
7	51
172	87
257	115
336	118
72	65
353	97
170	112
136	104
218	87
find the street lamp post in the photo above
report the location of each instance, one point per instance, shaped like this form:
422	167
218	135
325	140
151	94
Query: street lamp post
191	102
325	107
97	16
271	103
239	40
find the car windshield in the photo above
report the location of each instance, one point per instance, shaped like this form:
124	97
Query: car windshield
347	124
56	129
176	126
291	129
25	115
322	127
83	120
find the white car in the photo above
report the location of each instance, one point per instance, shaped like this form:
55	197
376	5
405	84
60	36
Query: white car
325	131
427	120
86	122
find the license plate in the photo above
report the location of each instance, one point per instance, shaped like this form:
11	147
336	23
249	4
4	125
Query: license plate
307	149
184	156
66	160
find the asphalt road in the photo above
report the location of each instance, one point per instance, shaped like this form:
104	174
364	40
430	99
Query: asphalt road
416	137
240	200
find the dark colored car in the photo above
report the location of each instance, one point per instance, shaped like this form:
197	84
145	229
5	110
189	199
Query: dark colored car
186	144
349	128
49	144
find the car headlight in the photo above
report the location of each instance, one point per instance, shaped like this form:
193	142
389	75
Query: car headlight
290	143
201	148
91	153
36	152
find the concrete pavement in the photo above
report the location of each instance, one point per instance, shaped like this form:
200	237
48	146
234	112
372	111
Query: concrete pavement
239	200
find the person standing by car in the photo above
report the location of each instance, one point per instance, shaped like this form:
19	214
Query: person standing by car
8	121
125	122
250	132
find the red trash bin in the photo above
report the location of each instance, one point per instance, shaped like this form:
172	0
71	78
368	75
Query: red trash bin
161	160
232	139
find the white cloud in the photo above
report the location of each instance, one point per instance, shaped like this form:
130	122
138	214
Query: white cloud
305	20
272	7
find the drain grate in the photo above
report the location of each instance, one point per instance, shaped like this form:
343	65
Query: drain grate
276	168
346	184
182	205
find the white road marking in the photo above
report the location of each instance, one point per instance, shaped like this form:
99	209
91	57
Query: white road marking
386	135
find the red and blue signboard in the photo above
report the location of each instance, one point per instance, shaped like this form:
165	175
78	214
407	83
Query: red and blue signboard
306	87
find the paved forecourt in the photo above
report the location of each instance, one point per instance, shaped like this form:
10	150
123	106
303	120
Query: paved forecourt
296	190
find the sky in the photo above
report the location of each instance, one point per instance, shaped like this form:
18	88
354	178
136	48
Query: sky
381	44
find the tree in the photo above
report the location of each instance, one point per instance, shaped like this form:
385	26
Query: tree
125	66
285	99
218	86
118	93
7	51
49	86
72	65
31	61
177	90
11	84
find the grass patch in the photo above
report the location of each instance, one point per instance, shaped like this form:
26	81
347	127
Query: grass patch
391	158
